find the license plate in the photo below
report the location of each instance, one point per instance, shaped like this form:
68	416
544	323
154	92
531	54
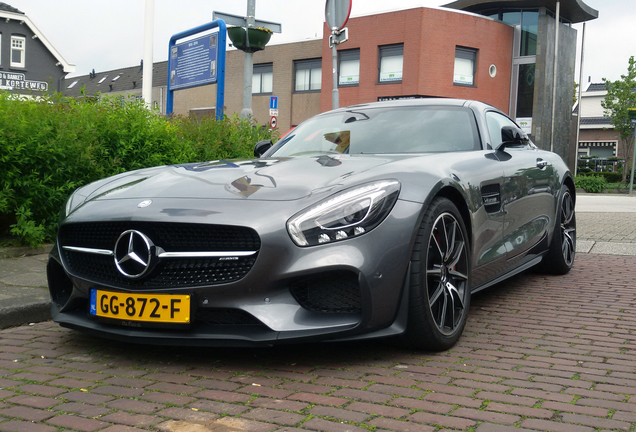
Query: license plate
160	308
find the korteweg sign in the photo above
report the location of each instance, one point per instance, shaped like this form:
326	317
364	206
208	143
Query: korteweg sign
18	81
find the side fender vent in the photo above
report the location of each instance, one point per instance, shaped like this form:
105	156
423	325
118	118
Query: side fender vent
491	196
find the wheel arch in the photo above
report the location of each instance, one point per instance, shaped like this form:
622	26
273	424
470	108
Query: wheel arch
453	195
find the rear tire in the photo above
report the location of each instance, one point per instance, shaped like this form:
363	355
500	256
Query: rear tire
560	257
439	295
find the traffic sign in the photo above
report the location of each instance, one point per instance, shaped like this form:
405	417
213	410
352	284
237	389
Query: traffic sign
273	113
337	13
273	102
273	121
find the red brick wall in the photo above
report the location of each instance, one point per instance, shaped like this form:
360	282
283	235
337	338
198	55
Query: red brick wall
430	37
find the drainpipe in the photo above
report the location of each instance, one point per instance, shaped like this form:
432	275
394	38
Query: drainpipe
554	81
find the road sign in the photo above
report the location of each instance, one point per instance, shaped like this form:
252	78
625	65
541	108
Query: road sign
273	112
337	13
273	121
273	102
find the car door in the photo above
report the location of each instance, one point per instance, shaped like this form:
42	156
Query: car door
527	191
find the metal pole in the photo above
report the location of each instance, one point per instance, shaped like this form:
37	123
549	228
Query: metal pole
578	118
249	63
335	98
149	19
631	179
554	81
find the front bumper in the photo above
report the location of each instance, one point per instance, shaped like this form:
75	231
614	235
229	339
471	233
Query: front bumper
263	307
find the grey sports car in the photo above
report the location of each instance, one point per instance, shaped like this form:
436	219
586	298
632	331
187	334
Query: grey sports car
369	221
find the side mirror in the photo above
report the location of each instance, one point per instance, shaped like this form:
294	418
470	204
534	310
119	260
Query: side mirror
512	136
261	147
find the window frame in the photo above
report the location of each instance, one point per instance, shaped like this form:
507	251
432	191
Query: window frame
307	64
466	53
21	64
260	69
393	50
0	48
349	55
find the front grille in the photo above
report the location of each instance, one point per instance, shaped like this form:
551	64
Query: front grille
169	272
336	292
225	316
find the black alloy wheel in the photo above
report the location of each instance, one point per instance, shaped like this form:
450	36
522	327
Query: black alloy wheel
440	273
560	256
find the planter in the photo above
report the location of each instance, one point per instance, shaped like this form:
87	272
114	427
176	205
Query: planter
257	38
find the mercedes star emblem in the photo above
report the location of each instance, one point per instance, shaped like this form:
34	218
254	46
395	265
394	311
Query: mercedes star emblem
133	254
144	203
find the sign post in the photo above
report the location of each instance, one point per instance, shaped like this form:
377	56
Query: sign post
248	22
632	117
198	62
337	14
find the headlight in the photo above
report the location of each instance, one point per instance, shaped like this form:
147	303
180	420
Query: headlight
347	214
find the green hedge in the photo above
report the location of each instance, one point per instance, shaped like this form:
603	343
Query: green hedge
610	177
51	146
591	183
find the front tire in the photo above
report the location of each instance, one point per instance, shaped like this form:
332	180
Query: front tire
440	270
560	257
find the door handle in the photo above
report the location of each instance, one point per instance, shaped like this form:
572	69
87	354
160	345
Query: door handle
541	163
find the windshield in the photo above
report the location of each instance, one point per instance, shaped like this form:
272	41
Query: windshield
362	130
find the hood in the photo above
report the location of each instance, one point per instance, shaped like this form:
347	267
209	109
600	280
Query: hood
280	179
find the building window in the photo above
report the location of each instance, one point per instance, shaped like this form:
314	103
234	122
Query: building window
308	75
18	46
0	48
349	67
263	79
465	61
391	63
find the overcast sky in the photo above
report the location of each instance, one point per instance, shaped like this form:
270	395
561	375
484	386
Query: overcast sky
108	34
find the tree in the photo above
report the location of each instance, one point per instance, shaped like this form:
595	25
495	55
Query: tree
621	95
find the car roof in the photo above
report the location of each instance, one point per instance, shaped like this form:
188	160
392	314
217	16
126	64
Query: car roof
476	105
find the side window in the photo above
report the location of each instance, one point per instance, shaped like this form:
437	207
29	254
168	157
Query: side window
262	79
18	48
495	123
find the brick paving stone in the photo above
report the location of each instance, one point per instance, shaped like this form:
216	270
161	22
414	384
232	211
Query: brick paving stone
71	383
22	426
558	397
214	384
440	408
79	423
520	410
167	377
448	389
85	397
127	382
318	399
379	410
578	409
33	401
339	414
83	409
305	387
26	413
274	416
121	428
400	425
222	424
166	398
546	425
40	390
362	395
260	380
436	419
278	404
218	407
453	399
135	406
265	391
6	394
187	414
398	391
488	416
30	376
490	427
223	396
339	382
319	424
139	420
595	421
118	391
174	388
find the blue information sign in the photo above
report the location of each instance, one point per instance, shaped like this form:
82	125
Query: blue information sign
273	102
194	63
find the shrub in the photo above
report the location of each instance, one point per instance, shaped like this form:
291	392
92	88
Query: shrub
52	145
592	184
